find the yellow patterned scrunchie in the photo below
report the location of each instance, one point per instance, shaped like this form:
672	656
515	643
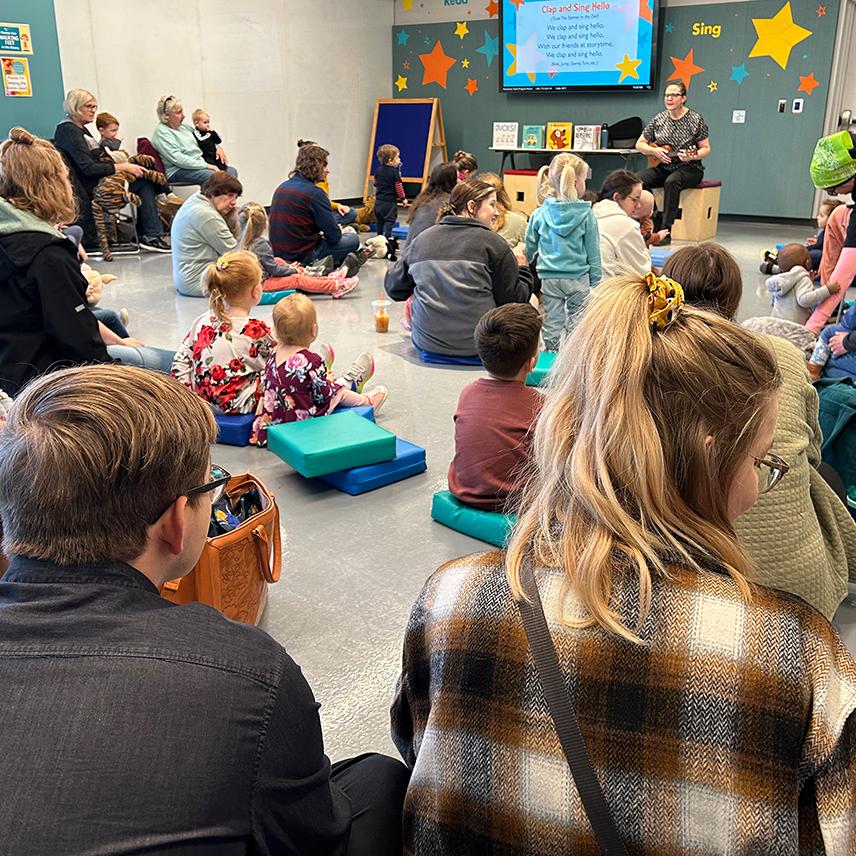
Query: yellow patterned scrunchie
665	299
222	263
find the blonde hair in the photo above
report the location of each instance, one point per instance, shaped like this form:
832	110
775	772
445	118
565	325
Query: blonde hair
255	223
624	477
74	101
503	203
34	177
386	153
167	104
294	320
559	179
91	456
229	278
197	114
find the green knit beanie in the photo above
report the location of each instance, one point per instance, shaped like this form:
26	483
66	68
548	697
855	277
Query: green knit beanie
832	162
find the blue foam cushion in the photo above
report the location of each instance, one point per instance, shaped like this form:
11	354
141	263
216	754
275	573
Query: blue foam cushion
328	444
658	257
400	232
542	368
445	360
234	430
490	526
409	460
269	297
364	410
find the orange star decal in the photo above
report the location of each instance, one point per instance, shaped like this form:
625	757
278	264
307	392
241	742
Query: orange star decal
645	11
518	3
492	9
807	83
821	10
472	86
436	66
685	68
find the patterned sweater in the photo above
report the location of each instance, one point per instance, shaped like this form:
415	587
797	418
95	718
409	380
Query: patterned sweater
729	731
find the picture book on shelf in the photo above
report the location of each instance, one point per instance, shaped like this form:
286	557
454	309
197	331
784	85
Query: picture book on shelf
560	135
505	135
533	137
586	138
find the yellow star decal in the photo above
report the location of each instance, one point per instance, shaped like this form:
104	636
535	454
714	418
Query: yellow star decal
401	83
712	86
407	5
777	36
628	67
461	30
512	69
465	63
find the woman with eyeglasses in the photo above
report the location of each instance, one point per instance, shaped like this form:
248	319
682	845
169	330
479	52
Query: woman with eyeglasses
677	139
717	714
833	169
800	537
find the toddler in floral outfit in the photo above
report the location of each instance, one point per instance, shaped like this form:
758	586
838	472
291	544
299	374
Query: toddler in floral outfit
296	381
223	355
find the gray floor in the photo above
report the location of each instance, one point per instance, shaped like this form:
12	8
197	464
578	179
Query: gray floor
354	565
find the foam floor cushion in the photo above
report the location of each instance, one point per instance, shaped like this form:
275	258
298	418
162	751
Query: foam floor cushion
364	410
400	232
446	360
234	430
409	461
269	297
490	526
327	444
658	257
542	368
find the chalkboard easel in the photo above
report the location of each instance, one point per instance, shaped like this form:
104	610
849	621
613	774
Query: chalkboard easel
415	127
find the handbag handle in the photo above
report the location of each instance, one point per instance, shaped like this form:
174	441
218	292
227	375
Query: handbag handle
564	717
260	539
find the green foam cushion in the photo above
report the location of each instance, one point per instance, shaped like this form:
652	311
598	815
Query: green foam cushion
490	526
327	444
542	368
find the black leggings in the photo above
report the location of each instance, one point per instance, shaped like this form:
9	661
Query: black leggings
672	182
385	214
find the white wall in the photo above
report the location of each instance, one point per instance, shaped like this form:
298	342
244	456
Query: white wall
268	72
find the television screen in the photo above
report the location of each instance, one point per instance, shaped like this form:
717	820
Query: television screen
589	45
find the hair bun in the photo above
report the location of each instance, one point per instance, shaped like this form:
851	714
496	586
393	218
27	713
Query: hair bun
22	135
460	154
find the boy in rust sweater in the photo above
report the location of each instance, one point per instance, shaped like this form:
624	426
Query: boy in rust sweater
495	415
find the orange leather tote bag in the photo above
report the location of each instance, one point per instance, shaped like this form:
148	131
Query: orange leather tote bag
235	569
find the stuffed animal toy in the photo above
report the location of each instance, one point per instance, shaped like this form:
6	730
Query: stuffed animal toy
366	215
96	282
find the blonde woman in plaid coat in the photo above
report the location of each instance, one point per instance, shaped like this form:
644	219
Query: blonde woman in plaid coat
718	713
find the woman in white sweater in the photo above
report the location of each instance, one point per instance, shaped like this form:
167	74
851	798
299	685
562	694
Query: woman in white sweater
621	242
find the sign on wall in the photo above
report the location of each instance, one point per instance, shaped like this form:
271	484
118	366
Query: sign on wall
16	77
15	39
440	11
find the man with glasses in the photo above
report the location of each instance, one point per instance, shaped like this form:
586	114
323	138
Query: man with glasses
131	724
678	139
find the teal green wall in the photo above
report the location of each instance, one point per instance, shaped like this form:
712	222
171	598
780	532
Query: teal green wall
763	163
40	113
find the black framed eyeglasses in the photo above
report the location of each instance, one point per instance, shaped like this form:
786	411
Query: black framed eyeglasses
217	486
771	470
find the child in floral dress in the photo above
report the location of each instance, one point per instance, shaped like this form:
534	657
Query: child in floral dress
296	383
223	355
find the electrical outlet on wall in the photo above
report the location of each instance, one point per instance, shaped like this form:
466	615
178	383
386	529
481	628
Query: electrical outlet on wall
798	105
783	104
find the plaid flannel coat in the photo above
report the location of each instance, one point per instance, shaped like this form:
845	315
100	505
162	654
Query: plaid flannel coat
729	731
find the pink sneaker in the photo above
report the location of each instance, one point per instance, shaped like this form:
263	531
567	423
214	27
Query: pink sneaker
347	286
325	350
339	273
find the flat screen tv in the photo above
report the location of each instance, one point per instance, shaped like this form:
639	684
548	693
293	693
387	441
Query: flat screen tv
591	45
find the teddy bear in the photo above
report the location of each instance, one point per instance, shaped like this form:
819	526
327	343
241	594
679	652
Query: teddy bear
95	283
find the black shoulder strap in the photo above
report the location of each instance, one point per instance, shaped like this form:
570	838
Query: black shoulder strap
564	717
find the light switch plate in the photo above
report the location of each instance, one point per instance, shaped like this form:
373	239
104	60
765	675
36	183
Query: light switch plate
783	105
738	117
798	105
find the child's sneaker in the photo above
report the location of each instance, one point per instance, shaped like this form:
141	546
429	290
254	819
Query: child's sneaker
362	368
123	314
377	397
354	261
325	350
320	268
339	273
346	287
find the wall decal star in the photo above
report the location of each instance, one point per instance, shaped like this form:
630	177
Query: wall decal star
472	86
628	67
401	83
739	73
461	30
808	83
436	66
685	69
777	36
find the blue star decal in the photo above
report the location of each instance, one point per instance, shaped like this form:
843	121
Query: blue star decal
739	73
490	48
403	37
669	27
644	38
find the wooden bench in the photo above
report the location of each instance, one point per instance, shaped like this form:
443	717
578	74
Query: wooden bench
520	184
698	211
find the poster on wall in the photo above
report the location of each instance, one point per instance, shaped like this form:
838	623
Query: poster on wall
15	39
16	77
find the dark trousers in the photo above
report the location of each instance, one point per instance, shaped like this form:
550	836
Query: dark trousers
673	182
375	785
385	214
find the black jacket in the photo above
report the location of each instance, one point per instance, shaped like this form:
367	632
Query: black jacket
46	322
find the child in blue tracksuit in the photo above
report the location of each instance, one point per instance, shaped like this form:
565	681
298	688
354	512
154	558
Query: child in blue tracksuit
563	232
389	190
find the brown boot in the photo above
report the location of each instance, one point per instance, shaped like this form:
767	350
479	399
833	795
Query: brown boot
814	370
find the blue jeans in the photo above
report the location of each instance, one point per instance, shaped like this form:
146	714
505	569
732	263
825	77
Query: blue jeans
843	366
111	321
345	219
196	176
563	302
157	359
347	244
148	220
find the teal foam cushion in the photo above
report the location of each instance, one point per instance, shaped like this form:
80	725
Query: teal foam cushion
490	526
538	375
269	297
327	444
409	460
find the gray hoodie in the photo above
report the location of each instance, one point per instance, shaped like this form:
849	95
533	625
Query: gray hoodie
795	295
